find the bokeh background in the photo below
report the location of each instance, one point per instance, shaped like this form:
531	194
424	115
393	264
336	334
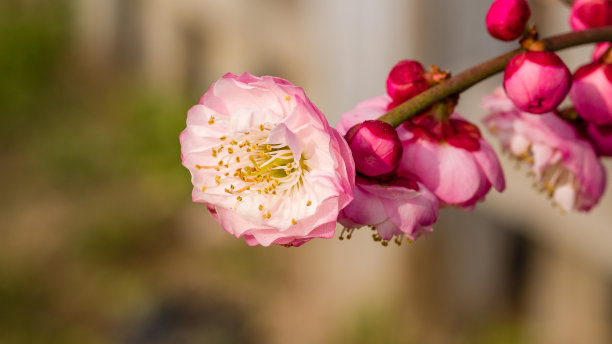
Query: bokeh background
99	239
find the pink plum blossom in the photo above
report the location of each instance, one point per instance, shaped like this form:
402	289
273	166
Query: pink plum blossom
394	208
537	81
451	159
590	13
375	146
506	19
265	161
591	92
392	205
601	138
564	164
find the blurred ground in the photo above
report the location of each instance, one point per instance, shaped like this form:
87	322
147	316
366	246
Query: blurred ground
100	242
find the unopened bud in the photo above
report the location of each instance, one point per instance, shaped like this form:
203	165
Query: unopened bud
376	148
537	81
406	80
506	19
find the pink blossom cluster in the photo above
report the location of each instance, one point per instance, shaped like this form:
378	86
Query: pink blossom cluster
444	162
271	169
561	146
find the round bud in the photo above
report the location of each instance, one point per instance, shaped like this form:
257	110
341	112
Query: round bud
376	148
406	80
591	92
590	13
537	81
506	19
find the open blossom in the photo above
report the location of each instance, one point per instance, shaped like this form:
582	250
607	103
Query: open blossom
265	161
564	164
591	92
394	206
590	13
451	159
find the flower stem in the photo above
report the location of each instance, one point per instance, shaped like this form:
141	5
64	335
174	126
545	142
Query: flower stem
474	75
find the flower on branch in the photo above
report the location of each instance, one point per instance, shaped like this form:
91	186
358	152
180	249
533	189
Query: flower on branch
565	165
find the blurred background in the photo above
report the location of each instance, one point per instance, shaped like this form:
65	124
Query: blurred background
99	239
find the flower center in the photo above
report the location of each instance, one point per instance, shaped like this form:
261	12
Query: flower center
248	165
555	176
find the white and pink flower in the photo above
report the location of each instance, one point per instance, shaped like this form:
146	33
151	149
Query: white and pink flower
564	164
266	162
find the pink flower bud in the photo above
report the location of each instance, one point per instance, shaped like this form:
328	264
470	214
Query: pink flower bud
376	147
592	93
600	49
590	13
406	80
506	19
537	81
601	138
